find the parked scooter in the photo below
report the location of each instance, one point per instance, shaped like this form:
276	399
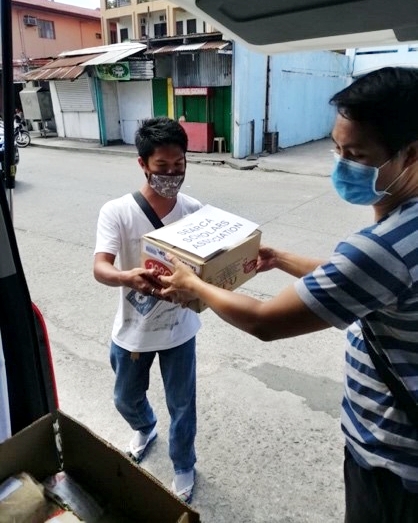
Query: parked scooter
22	136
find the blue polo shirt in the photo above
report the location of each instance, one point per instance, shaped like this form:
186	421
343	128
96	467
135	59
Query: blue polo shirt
374	273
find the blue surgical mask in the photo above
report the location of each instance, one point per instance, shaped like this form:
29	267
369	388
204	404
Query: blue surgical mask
356	183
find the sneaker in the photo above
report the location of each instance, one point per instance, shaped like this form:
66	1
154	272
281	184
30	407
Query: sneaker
140	443
186	493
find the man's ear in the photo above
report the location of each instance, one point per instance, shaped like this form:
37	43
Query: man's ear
141	162
411	155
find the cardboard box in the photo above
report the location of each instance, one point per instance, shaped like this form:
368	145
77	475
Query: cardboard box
100	468
226	267
22	500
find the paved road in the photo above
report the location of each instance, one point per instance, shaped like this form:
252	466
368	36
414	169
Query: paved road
269	444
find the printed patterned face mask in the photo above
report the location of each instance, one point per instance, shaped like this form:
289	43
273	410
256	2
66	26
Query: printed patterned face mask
356	183
166	185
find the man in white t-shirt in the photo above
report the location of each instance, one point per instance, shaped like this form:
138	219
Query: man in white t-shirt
145	324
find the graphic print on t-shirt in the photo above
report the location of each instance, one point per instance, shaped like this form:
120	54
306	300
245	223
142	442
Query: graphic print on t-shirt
143	304
158	315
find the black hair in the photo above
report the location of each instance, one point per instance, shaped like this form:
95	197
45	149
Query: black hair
157	132
387	100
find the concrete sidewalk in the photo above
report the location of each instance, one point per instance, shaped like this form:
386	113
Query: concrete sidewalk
313	158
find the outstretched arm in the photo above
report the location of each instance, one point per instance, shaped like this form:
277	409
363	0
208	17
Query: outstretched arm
283	316
141	280
269	258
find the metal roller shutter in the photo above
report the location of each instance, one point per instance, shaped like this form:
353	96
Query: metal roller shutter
75	96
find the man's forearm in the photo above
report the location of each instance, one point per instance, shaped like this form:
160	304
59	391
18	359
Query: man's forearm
281	317
296	265
108	275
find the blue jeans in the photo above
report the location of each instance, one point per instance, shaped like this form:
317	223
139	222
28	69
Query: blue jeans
178	370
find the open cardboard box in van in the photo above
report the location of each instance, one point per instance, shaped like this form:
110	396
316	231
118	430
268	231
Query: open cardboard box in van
101	469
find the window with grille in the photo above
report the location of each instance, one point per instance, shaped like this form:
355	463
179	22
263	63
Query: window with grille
124	34
191	26
160	30
179	27
46	29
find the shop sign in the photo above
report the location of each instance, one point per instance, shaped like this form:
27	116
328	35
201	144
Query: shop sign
118	71
191	91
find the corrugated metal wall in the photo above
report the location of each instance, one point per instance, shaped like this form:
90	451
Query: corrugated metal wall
202	69
300	87
249	95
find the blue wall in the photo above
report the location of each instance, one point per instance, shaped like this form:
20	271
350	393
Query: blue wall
300	87
249	94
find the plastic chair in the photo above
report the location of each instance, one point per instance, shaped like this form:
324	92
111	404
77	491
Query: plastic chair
219	144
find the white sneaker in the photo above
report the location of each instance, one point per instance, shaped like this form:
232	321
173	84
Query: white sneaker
139	444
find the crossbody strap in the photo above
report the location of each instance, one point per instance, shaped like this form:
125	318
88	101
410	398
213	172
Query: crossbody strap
148	210
386	371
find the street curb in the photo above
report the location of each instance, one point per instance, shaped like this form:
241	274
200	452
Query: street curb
234	163
85	150
116	152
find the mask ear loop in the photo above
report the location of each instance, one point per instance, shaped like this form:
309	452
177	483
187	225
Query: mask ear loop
394	181
385	191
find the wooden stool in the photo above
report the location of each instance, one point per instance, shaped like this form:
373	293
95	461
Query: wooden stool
219	143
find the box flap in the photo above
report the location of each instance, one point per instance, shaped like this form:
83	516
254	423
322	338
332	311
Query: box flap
102	468
17	453
205	232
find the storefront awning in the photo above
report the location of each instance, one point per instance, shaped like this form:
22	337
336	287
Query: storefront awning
61	69
71	64
201	46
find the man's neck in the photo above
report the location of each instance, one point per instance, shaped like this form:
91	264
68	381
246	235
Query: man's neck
407	189
162	206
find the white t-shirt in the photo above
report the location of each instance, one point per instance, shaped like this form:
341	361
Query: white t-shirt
142	323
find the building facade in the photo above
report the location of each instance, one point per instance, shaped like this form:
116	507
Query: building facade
142	19
42	29
99	93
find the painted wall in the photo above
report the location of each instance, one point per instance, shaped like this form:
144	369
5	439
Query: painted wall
301	86
77	125
82	126
71	32
248	95
56	106
135	104
111	108
154	18
368	59
183	17
125	23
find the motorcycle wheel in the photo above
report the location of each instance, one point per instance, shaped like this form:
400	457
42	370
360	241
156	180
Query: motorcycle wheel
22	138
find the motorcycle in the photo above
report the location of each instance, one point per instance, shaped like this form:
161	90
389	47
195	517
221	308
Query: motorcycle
22	136
16	151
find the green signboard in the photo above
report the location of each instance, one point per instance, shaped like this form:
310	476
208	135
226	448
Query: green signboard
118	71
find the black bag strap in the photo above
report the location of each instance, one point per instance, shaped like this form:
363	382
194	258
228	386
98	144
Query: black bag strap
148	210
386	371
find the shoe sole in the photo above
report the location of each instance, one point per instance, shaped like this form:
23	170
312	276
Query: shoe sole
138	459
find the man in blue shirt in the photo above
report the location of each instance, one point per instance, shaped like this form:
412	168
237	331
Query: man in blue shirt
371	279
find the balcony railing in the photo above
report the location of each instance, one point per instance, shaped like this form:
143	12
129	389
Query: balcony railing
111	4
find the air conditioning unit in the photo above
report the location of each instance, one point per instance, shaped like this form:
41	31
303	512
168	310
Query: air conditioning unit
30	20
163	18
